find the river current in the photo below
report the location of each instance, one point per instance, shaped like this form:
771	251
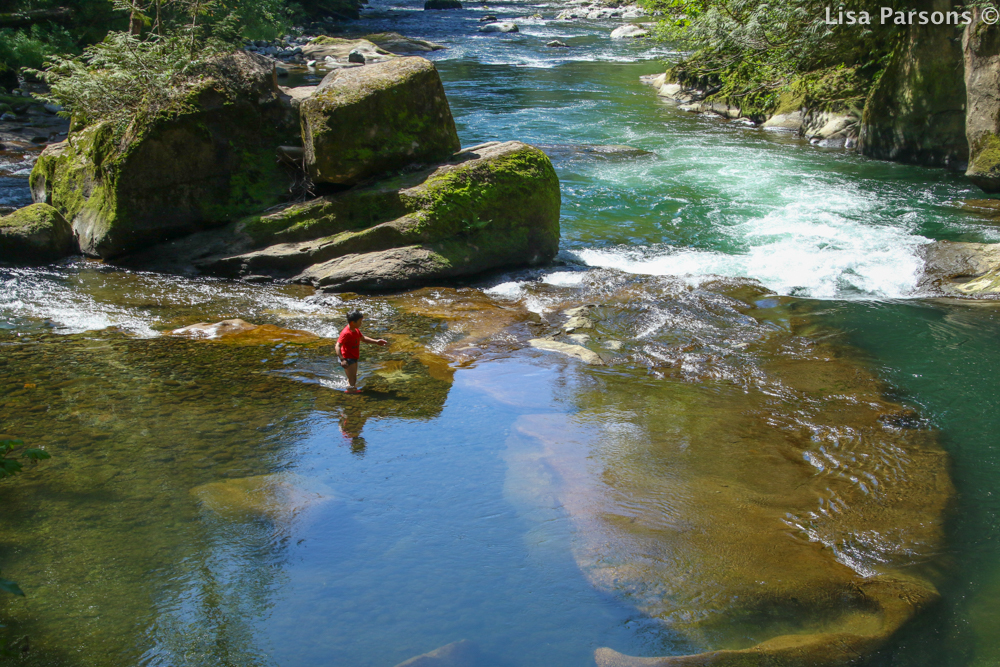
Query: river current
772	377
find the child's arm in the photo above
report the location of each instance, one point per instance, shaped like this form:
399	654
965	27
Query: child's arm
381	341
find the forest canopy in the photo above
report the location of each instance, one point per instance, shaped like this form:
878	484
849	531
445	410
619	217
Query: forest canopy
35	31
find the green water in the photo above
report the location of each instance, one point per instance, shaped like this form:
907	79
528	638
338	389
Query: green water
439	506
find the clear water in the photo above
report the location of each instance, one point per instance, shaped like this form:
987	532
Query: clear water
439	506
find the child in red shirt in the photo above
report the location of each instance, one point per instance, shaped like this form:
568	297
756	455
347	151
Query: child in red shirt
349	348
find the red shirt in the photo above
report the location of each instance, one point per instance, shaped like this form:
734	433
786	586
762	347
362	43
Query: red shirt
349	343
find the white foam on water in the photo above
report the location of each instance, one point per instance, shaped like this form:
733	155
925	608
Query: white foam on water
564	278
821	242
35	295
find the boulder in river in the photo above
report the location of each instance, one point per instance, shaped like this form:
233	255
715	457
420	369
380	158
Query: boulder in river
630	31
502	26
442	4
35	234
201	162
962	269
371	120
338	50
400	45
489	207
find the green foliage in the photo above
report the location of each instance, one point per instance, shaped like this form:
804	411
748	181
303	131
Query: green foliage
30	47
752	53
12	454
10	464
110	80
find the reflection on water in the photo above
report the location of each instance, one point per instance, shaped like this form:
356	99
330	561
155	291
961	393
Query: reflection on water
727	475
750	482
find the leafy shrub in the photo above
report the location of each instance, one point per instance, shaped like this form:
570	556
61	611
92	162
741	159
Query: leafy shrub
753	53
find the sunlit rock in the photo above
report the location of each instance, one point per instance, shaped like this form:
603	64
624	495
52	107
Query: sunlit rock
241	331
500	26
35	234
630	31
577	351
370	120
961	269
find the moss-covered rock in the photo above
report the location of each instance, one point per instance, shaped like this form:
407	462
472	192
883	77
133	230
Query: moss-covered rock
206	159
35	234
371	120
489	207
982	80
916	111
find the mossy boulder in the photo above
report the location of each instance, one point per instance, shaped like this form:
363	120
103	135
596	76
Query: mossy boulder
35	234
367	121
915	113
982	80
489	207
205	159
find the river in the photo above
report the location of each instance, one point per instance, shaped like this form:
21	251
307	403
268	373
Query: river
217	502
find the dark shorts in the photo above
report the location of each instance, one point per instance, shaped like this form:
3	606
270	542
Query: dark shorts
350	362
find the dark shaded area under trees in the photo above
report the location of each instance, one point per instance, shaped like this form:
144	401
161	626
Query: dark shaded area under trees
33	31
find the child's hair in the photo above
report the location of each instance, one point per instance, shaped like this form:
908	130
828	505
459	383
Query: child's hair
354	316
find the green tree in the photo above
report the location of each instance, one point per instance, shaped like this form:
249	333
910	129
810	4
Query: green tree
753	52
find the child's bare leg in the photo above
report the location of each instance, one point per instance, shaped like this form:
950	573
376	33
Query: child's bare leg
352	375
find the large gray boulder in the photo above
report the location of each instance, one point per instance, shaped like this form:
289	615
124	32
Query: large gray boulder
489	207
916	111
981	44
206	159
368	121
969	270
35	234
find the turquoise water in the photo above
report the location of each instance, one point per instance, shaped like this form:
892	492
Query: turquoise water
415	523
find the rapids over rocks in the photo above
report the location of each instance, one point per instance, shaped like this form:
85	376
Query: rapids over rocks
725	427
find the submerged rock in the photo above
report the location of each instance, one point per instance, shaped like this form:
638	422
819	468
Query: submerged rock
577	351
457	654
815	561
203	162
611	152
278	497
442	4
243	332
375	119
35	234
